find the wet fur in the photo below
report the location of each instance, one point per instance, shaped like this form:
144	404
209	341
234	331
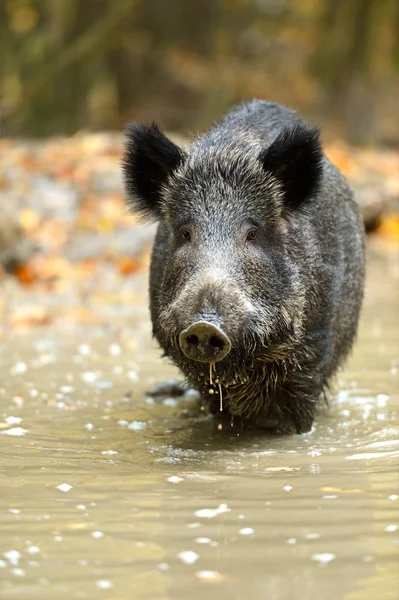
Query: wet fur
290	305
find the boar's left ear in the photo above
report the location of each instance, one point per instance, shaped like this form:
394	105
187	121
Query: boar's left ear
295	160
150	157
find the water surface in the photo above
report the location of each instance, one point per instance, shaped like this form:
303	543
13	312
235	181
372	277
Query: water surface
109	493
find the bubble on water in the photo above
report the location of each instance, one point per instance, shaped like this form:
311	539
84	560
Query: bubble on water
391	528
246	531
104	584
97	534
133	376
314	453
175	479
15	431
291	541
209	575
288	488
315	469
64	487
67	389
209	513
194	525
84	349
312	536
18	400
12	556
89	426
203	540
137	425
188	557
123	422
81	506
3	564
58	538
323	557
14	511
382	400
33	549
13	420
114	349
19	368
380	417
330	496
109	452
90	376
18	572
117	370
393	497
164	566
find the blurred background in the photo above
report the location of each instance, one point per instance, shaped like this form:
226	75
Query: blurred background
70	65
75	71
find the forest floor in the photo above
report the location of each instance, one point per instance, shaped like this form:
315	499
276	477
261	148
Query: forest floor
72	251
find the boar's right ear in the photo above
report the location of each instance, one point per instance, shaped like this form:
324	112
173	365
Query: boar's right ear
295	160
150	157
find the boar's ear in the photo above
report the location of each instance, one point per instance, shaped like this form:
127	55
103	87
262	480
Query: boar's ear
150	157
295	160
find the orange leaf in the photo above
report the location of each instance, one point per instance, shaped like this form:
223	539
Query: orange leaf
127	265
24	274
30	316
389	226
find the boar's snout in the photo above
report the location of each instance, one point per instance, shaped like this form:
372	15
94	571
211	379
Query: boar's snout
204	342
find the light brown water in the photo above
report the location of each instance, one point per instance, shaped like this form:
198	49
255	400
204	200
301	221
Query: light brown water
106	493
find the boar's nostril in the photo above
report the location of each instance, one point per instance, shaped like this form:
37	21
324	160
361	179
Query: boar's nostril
204	342
216	342
192	340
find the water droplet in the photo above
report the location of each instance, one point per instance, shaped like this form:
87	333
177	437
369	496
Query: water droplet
15	431
104	584
97	534
64	487
137	425
246	531
188	557
323	557
175	479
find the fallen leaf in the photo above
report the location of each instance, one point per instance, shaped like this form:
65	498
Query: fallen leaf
29	316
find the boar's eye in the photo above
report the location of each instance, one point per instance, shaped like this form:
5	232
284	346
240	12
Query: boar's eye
186	235
252	235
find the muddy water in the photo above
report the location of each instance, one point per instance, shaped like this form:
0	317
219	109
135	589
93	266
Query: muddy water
109	493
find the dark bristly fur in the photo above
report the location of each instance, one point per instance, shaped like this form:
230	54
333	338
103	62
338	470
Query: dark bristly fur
288	298
295	159
150	158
